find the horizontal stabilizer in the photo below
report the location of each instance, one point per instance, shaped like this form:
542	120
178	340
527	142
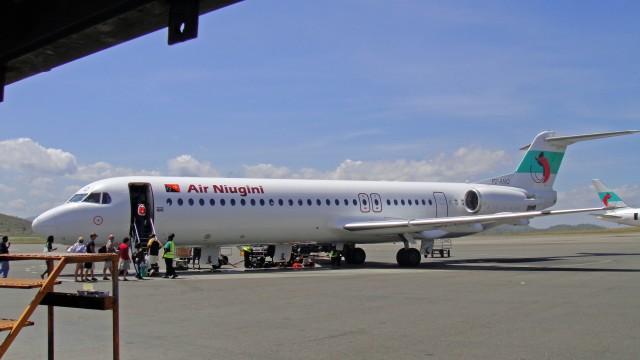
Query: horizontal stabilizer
572	139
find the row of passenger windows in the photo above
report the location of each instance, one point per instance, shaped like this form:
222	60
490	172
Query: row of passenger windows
300	202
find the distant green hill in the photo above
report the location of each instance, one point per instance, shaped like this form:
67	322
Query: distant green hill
15	226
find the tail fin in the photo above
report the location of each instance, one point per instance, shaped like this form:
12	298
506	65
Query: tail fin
607	196
540	165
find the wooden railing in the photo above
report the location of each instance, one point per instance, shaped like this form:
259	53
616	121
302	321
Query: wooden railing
46	296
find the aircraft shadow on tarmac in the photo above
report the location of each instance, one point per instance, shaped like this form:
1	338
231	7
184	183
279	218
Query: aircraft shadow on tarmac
547	263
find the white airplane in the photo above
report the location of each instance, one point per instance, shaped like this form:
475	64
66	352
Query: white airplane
214	212
622	213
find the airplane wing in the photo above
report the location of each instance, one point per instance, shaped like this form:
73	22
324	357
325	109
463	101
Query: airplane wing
392	227
608	216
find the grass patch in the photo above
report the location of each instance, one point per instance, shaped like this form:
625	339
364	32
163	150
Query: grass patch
26	240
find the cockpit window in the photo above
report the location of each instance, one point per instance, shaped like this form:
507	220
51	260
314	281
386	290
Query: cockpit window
106	198
77	197
92	198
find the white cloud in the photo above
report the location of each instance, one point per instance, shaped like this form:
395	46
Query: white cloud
266	171
27	156
16	205
102	170
6	189
186	165
464	164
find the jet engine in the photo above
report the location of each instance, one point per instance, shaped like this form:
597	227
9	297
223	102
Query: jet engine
498	199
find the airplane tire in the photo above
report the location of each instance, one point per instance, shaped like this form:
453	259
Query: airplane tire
412	257
346	252
401	257
358	256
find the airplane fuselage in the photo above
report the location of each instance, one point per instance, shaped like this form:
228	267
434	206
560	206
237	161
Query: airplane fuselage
219	211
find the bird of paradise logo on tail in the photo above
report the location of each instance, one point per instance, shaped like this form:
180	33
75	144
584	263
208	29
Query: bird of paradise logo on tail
546	169
605	199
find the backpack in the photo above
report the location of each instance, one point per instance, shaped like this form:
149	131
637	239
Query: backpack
102	249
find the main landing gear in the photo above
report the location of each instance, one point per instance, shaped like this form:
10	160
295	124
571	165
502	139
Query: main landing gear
408	256
354	255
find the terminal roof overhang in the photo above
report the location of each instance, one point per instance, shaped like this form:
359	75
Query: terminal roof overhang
36	35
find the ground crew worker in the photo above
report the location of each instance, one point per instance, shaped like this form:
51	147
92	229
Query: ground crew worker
169	251
335	257
247	256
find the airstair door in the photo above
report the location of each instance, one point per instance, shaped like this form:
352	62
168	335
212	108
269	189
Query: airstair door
142	211
442	209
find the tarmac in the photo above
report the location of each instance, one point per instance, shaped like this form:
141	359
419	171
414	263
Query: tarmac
504	297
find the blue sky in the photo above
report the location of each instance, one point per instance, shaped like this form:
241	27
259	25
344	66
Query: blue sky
414	90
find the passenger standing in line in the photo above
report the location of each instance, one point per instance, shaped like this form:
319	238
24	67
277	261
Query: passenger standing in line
108	264
48	247
4	249
154	250
168	256
89	266
125	260
78	248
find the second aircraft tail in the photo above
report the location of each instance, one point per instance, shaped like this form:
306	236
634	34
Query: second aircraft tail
607	196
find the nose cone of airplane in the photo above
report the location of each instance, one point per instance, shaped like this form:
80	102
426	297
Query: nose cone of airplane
44	225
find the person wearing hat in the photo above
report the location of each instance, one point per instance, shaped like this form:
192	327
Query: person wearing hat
88	266
154	250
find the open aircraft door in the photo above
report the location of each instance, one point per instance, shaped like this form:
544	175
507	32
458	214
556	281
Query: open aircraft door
142	211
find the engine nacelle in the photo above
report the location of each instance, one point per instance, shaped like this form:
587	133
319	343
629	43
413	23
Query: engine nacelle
491	200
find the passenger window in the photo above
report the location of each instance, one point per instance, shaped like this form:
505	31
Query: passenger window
290	202
106	198
309	202
232	202
243	202
191	202
201	201
212	202
328	202
261	202
169	202
388	202
410	202
92	198
280	202
402	202
346	202
222	202
180	202
355	202
271	202
300	202
253	202
318	202
395	202
337	202
424	202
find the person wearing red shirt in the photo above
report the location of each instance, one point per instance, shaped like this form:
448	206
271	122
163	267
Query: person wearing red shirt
125	259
